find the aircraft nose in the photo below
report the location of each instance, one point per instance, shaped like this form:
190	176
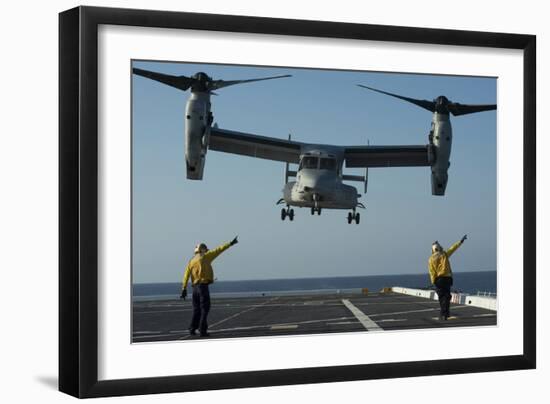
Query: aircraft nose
318	183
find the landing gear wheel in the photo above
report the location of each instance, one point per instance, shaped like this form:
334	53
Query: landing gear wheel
318	211
312	211
357	217
291	214
350	217
283	214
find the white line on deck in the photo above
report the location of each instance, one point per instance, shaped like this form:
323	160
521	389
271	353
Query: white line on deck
362	317
156	335
284	327
278	325
234	315
240	312
392	303
392	320
344	323
413	311
162	311
484	315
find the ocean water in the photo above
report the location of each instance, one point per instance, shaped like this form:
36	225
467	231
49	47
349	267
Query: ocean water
465	282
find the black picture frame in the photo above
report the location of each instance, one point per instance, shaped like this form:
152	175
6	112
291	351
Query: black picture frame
78	200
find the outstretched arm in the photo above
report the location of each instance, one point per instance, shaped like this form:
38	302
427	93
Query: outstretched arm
455	246
211	255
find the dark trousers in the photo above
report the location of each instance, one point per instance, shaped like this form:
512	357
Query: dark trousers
443	290
201	307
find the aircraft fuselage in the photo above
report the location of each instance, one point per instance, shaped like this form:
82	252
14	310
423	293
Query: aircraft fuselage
319	184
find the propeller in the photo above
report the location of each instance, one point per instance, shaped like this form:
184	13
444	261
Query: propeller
441	104
198	82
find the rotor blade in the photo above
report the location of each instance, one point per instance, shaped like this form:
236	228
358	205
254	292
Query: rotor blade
214	85
179	82
462	109
429	105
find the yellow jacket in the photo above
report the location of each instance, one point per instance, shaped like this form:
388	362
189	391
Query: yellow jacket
439	264
200	266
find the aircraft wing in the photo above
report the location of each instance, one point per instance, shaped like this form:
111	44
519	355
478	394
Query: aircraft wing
246	144
387	156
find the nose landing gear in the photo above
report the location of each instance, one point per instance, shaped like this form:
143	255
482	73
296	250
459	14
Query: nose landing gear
316	208
354	216
287	212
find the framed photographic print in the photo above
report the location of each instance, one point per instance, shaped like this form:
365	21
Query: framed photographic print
286	195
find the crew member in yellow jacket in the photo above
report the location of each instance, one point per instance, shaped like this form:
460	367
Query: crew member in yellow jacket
199	269
441	274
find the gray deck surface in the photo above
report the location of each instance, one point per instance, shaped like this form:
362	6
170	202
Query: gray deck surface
307	314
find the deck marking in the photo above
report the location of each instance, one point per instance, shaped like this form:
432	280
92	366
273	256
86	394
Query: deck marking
252	327
151	336
162	311
392	303
238	309
362	317
284	327
344	323
392	320
414	311
233	316
241	312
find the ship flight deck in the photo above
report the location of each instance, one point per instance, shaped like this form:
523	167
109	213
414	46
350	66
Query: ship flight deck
269	315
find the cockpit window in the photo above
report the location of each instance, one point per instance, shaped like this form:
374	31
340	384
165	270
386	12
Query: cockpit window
328	164
309	162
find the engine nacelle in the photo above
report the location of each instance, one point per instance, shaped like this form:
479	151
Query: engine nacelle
439	183
441	138
197	133
198	149
195	172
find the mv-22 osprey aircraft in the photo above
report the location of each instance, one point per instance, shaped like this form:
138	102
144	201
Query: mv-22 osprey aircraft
319	177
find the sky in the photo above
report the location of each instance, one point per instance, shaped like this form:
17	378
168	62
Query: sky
237	195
